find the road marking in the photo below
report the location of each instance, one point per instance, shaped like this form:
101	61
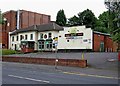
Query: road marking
29	79
82	74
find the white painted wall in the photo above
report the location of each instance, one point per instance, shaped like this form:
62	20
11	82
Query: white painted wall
36	37
54	34
12	43
74	43
78	41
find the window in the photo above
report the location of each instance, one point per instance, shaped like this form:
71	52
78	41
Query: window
41	44
31	45
49	35
13	38
49	44
21	37
41	36
17	38
31	36
25	37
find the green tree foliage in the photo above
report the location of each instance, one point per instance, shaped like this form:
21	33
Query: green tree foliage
114	20
87	18
73	21
61	18
1	18
102	23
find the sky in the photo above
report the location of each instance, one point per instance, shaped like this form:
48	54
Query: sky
51	7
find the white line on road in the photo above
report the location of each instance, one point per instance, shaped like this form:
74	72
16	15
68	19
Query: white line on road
29	79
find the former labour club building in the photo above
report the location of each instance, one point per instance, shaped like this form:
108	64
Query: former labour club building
52	37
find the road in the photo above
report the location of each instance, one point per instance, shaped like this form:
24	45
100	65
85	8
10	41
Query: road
19	73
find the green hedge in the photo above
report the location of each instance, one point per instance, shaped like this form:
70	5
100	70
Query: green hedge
8	52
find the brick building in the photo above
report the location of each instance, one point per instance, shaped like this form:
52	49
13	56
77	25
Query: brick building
51	37
20	19
103	42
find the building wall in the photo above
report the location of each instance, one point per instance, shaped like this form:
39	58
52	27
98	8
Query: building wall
109	45
54	34
12	43
27	18
76	42
10	23
97	40
36	37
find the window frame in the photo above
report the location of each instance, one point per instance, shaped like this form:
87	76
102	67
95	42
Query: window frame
31	36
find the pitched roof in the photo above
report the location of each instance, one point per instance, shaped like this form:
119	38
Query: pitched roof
39	28
49	27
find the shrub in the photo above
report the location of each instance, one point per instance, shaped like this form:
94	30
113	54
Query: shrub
8	52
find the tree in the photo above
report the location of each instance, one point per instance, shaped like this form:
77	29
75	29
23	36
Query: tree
1	18
102	23
73	21
61	18
114	19
87	18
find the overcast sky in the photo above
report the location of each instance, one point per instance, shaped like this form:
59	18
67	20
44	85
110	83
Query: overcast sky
51	7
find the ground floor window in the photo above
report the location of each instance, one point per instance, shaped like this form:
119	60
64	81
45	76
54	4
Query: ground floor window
49	44
45	44
41	44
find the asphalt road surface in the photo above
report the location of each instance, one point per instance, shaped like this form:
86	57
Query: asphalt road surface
19	73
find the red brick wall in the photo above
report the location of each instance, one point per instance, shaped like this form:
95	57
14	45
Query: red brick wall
5	39
24	20
109	45
47	61
97	38
11	19
29	18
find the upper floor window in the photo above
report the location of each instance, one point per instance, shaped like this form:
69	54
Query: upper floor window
49	35
41	36
21	37
31	36
17	38
12	38
25	37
